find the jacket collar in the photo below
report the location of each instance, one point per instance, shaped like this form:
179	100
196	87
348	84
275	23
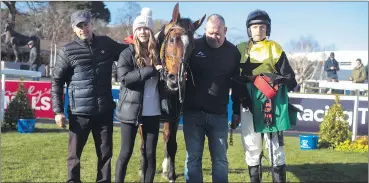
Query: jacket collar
86	42
360	66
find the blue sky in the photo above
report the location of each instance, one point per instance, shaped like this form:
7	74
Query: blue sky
342	24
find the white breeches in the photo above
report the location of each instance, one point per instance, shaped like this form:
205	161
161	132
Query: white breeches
252	142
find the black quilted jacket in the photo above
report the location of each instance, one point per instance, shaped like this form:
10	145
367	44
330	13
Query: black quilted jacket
132	79
86	67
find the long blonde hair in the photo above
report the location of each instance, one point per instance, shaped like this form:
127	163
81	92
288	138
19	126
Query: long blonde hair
141	52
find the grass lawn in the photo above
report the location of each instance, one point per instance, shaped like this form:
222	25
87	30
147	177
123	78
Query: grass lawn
41	157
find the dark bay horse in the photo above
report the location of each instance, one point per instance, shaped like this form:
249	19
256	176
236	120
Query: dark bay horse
176	42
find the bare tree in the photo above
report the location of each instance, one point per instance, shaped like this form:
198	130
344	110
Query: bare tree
301	63
304	44
127	14
52	22
158	24
12	11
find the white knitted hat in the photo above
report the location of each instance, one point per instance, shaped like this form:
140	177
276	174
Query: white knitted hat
144	20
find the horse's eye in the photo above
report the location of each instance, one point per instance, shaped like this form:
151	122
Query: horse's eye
171	40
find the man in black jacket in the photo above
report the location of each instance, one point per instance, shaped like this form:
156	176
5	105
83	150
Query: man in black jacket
213	62
85	65
331	66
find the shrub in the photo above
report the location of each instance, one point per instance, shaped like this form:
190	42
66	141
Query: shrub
359	145
334	129
18	108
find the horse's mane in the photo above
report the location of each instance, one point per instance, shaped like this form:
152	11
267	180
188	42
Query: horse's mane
161	35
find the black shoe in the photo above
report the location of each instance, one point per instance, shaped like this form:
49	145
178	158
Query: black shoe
279	173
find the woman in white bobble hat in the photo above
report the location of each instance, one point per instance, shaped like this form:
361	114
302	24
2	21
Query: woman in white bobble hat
137	70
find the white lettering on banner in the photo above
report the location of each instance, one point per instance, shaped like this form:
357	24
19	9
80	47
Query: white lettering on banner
308	115
38	93
298	114
34	104
316	117
45	101
7	100
349	116
363	114
326	110
39	100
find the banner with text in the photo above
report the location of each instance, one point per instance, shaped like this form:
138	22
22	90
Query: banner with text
38	94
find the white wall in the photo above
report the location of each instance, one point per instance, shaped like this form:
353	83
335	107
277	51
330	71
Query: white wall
343	57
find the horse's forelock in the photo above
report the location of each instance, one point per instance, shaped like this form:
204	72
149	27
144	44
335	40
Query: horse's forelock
186	37
186	23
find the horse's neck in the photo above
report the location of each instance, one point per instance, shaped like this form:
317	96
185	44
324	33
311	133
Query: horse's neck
17	34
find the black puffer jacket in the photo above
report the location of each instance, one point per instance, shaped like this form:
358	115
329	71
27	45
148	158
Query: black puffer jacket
86	67
132	79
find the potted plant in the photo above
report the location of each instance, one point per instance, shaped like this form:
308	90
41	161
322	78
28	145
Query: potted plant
19	112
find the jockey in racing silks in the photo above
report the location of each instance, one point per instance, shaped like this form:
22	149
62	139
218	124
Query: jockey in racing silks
262	57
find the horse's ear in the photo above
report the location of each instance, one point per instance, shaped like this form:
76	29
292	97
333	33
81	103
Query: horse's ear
198	23
176	16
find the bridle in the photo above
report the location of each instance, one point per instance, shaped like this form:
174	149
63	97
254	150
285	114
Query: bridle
183	63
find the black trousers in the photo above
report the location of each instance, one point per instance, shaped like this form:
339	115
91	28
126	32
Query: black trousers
102	131
150	130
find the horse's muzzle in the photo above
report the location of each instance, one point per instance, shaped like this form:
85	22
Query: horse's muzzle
172	82
172	85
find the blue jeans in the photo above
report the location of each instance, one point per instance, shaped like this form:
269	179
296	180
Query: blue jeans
196	125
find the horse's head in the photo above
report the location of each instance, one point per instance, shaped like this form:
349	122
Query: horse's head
8	27
6	36
177	42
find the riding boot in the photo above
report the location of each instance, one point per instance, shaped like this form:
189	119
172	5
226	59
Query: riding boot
279	173
255	174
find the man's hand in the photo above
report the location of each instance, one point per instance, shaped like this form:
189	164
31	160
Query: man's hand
61	121
350	78
332	68
235	121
